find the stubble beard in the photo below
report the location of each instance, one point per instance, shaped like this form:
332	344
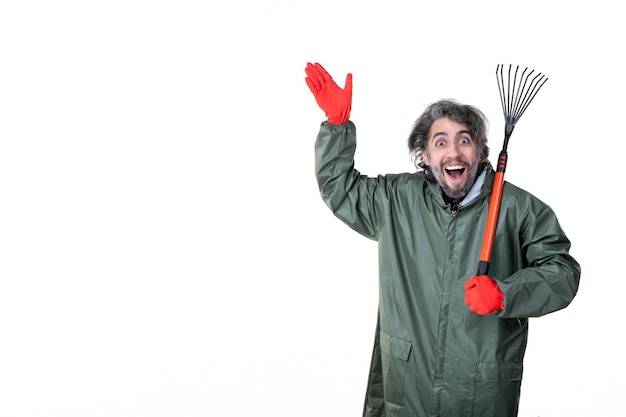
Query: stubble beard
457	195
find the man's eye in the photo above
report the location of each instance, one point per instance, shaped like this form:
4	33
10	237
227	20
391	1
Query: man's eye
439	143
465	140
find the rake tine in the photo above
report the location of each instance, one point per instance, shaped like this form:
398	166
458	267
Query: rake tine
532	92
515	94
509	95
518	103
500	86
503	97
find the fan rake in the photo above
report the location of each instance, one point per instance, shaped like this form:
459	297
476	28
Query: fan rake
516	93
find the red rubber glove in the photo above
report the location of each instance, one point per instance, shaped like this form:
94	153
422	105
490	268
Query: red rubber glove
482	295
334	100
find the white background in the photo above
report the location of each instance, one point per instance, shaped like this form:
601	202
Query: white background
164	250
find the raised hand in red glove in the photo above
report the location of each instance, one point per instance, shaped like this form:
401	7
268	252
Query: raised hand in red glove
482	295
334	100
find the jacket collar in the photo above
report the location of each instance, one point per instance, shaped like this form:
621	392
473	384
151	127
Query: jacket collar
476	189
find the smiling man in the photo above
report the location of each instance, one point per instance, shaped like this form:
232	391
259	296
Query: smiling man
449	142
452	156
448	343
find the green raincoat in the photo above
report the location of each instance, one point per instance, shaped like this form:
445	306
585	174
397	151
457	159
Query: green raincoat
433	356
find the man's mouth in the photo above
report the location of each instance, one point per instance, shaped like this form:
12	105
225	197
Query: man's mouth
455	171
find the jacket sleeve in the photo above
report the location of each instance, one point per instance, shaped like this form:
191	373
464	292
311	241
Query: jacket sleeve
351	197
550	276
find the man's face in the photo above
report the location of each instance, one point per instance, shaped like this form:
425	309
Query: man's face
452	155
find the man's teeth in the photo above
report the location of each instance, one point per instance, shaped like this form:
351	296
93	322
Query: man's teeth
455	171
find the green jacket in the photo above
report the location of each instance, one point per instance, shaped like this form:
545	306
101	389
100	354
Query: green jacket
432	355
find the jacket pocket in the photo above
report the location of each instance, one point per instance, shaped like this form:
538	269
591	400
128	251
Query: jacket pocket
497	389
394	357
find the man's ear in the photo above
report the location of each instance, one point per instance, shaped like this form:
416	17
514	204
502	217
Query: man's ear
425	158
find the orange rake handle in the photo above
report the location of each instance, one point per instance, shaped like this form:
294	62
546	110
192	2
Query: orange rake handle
492	215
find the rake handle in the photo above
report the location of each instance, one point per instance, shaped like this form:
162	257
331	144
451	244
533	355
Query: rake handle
492	215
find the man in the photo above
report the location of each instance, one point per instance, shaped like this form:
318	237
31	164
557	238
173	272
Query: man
448	343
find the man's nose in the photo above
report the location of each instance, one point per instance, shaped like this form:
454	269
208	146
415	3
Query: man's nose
454	149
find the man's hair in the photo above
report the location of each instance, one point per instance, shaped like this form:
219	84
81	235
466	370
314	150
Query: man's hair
461	113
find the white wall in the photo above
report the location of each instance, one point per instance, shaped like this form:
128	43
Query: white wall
163	247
